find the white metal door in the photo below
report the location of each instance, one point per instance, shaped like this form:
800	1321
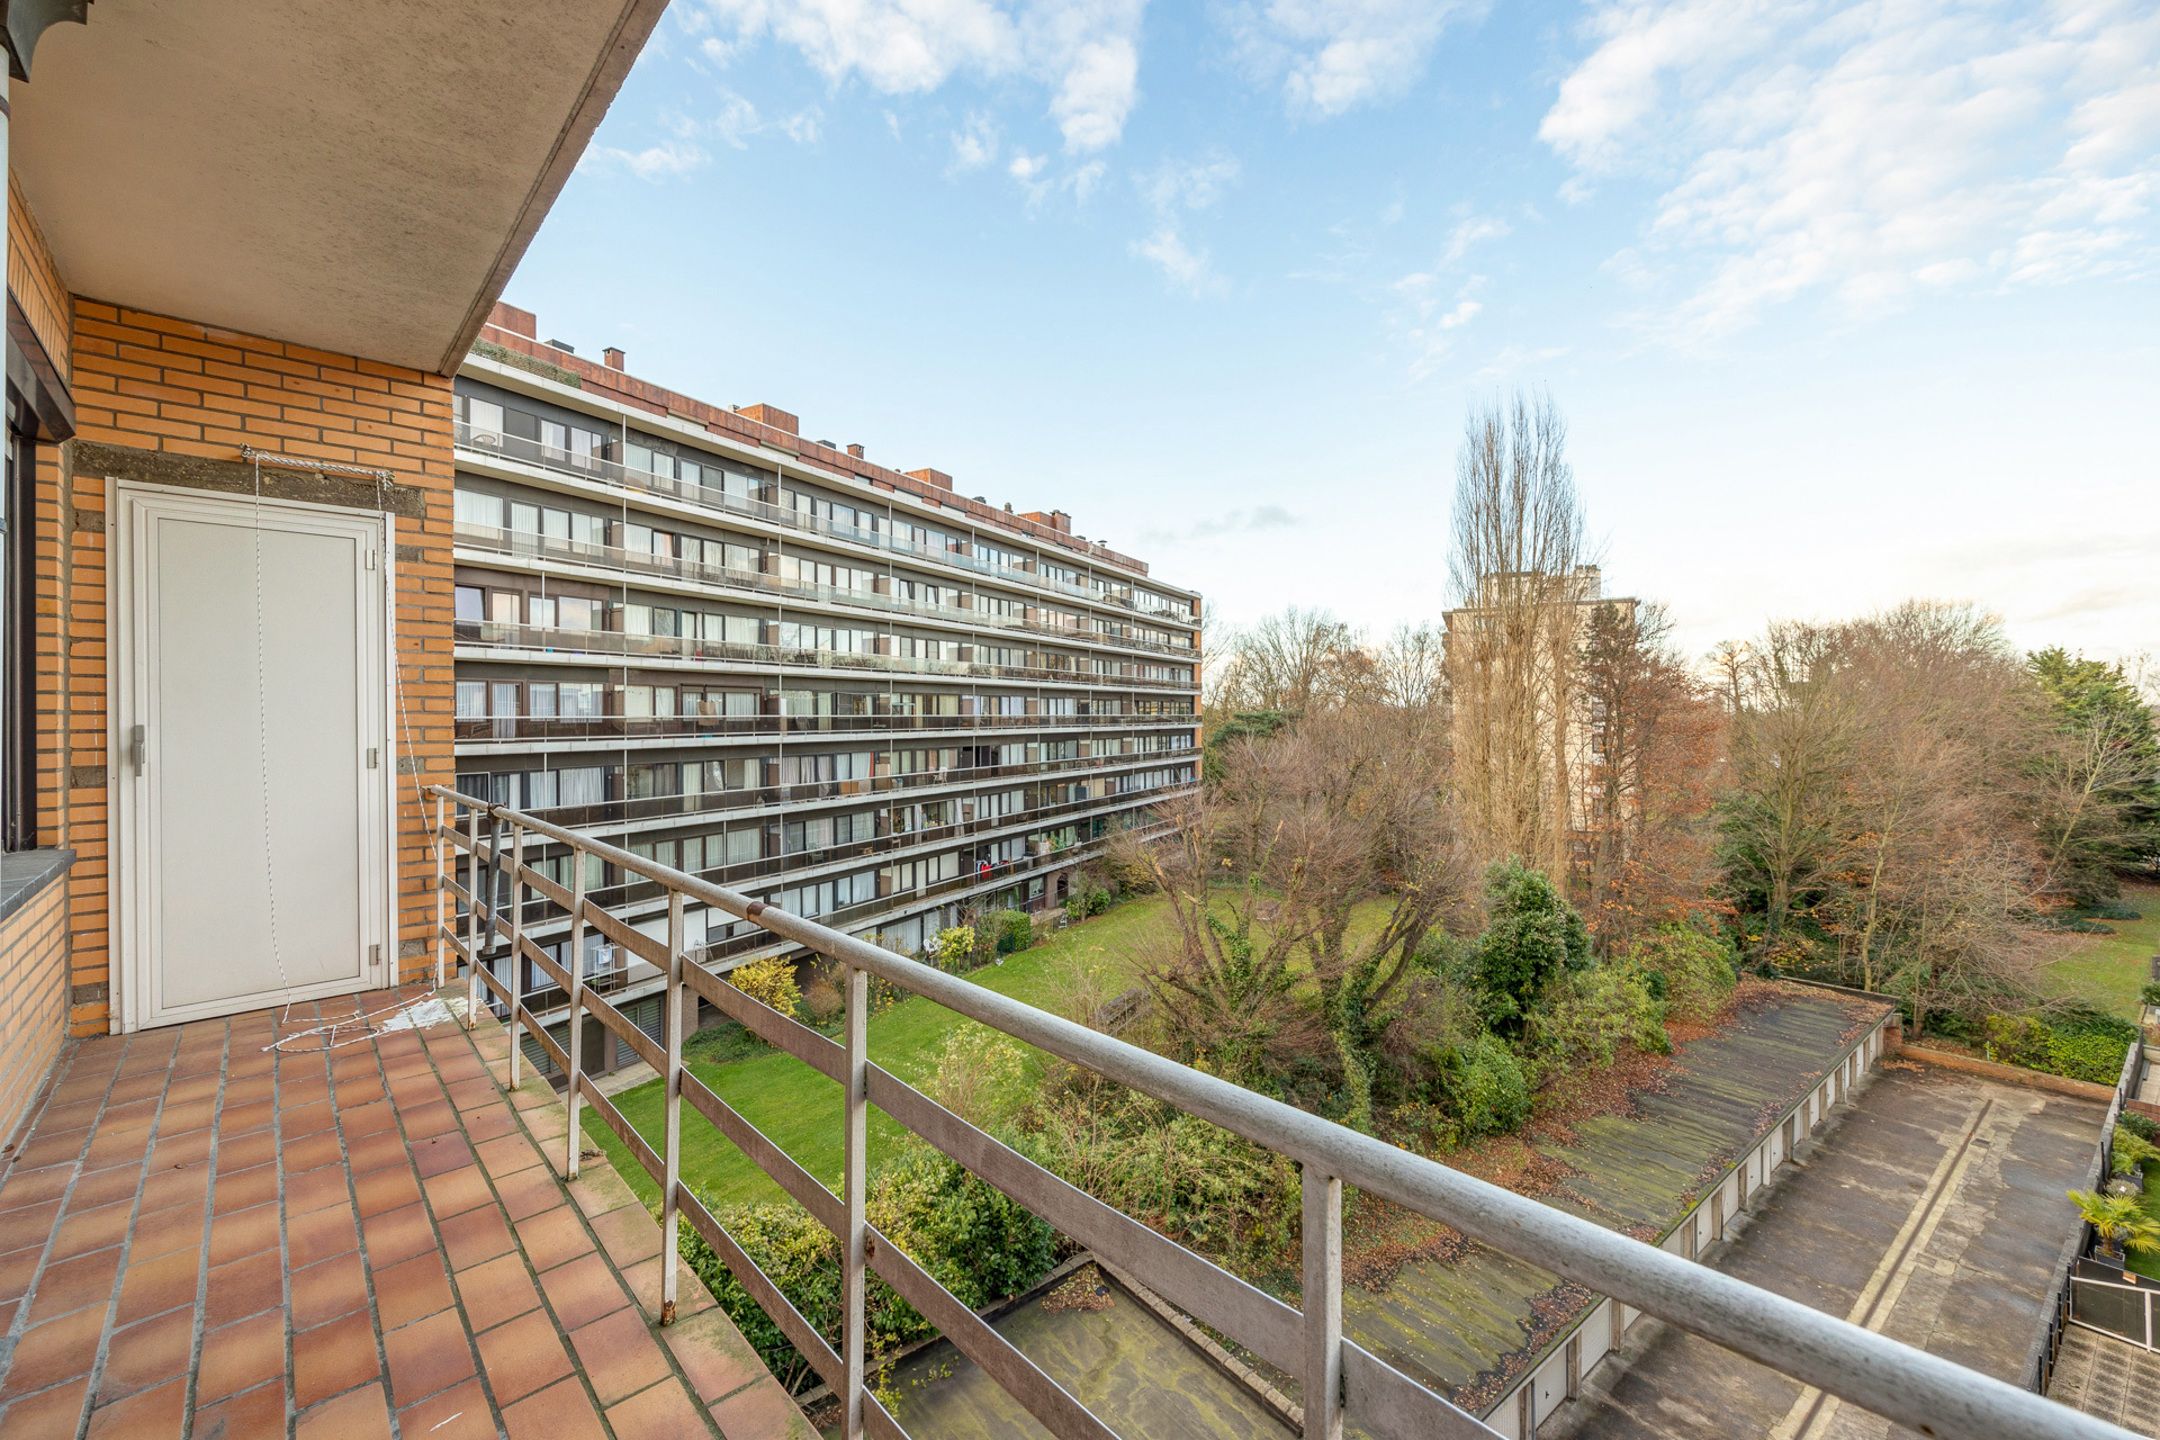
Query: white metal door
249	709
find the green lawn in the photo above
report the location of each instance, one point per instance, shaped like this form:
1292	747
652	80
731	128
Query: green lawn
2147	1262
800	1109
2109	970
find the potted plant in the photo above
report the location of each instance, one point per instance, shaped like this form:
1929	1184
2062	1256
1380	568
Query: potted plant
2118	1222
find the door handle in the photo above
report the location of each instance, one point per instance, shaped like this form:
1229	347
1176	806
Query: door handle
139	748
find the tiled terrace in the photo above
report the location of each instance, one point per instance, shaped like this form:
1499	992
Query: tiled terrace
201	1236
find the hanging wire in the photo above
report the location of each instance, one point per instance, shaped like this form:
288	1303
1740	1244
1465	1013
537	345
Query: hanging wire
420	1012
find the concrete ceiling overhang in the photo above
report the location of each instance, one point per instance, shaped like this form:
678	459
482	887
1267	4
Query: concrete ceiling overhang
355	175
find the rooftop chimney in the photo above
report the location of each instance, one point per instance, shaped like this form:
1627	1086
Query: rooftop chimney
931	477
774	416
518	322
855	450
613	355
563	345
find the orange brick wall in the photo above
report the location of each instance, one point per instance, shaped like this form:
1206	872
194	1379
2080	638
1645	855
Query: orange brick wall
169	386
33	1001
34	279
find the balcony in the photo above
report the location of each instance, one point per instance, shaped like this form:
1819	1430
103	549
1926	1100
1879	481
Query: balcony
575	645
686	727
1342	1386
613	560
614	472
212	1228
663	809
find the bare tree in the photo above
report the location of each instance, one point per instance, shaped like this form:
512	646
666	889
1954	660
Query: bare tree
1650	761
1293	661
1266	875
1408	669
1791	742
1518	543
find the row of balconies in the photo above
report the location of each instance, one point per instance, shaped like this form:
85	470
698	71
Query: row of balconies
716	802
614	558
558	728
559	644
713	497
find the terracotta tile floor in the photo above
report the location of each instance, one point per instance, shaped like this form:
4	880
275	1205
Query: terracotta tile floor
201	1236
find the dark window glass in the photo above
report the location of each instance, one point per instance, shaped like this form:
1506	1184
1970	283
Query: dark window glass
18	728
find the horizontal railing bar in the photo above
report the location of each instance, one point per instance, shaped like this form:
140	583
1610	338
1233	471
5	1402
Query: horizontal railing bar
636	941
1188	1280
456	889
1389	1405
1041	1396
457	942
808	1192
603	1010
807	1045
495	987
878	1422
1931	1394
799	1331
540	1036
547	963
624	1130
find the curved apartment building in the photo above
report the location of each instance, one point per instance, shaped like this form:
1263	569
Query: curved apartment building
842	689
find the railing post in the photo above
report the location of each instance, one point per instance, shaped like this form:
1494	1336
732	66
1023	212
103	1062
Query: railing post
671	1157
517	946
472	917
855	1250
1322	1385
576	1046
442	882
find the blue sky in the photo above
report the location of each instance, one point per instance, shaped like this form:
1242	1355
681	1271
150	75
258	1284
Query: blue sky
1845	303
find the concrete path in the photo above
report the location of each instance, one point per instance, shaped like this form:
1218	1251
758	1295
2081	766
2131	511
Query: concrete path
1932	1213
2108	1377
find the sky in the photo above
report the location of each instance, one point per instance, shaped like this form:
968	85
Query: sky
1844	303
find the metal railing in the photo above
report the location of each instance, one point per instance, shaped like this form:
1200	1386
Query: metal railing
1339	1379
553	640
524	544
718	497
632	727
696	804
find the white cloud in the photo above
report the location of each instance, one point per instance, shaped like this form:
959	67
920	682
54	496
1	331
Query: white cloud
1188	184
1464	312
1190	270
1086	53
975	144
1863	151
1026	168
1085	178
1470	232
664	161
1101	84
1330	56
1174	189
734	123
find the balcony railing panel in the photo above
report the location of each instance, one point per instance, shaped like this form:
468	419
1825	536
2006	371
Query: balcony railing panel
720	499
1340	1379
614	559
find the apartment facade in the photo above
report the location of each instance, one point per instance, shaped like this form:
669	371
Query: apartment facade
842	689
1519	713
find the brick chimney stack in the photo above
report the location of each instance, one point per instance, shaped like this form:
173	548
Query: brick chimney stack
613	355
856	451
774	416
931	477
